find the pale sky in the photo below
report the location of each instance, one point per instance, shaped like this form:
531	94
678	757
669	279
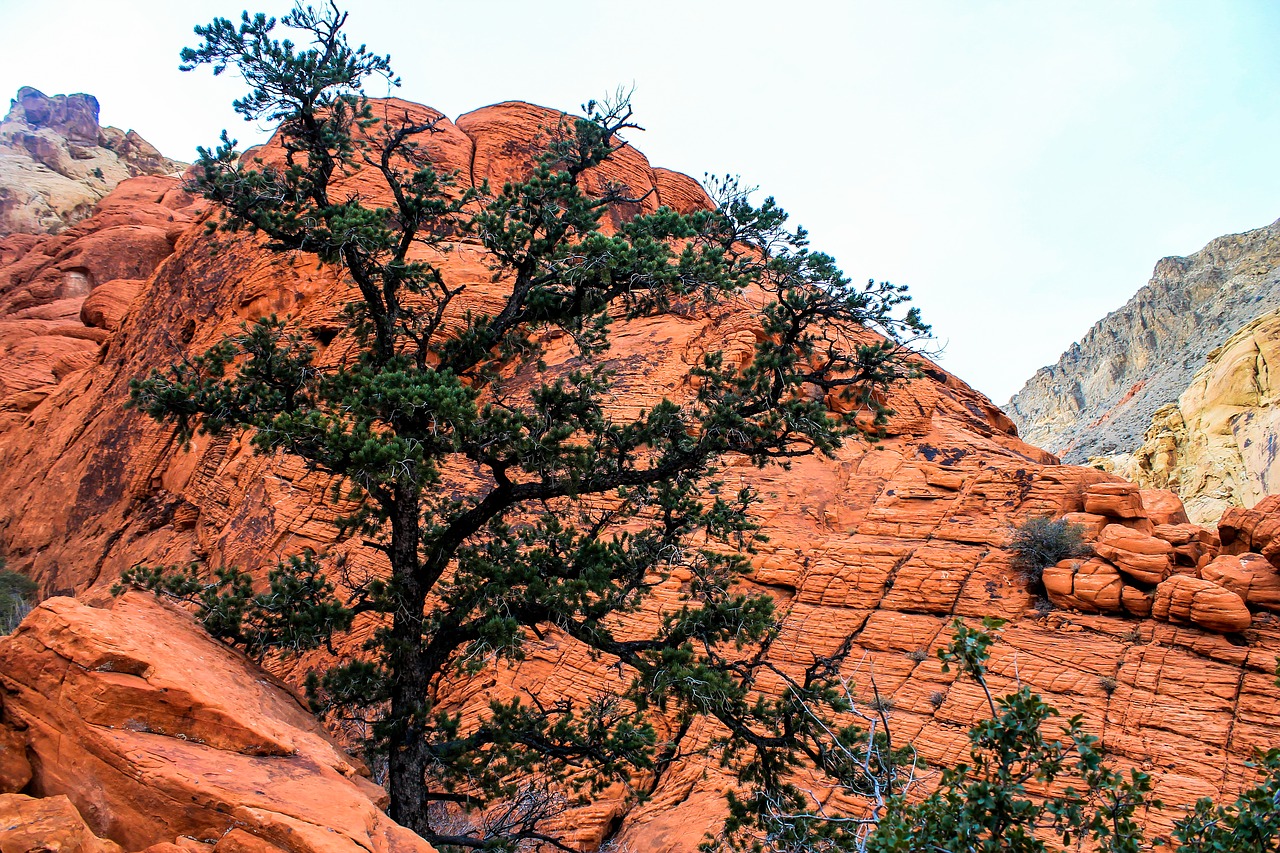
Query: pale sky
1020	165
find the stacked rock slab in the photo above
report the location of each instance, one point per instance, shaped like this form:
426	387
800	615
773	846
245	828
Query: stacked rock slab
1153	562
887	543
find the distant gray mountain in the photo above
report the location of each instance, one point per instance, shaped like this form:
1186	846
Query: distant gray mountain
1100	396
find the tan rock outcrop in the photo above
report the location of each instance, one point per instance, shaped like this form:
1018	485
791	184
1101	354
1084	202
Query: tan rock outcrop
153	731
56	162
1216	446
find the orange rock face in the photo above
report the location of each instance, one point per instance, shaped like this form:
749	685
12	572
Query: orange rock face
1093	586
152	732
885	543
1250	576
1256	529
60	296
1143	558
50	823
1121	500
15	769
1183	598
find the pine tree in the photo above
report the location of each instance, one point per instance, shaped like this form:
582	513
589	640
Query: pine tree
574	513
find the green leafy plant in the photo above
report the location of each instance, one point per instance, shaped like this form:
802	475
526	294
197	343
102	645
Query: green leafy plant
1032	783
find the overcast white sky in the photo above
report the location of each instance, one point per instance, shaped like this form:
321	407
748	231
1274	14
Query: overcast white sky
1020	165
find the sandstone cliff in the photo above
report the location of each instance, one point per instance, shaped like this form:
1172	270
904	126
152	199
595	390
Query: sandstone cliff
1217	445
1100	396
886	544
56	162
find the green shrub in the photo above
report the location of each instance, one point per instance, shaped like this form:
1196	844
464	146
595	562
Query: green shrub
1041	542
17	595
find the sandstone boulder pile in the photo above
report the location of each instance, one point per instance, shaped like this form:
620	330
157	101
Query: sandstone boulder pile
1171	570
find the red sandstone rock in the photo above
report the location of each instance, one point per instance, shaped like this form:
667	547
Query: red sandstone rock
1249	576
1115	500
1143	558
1190	542
46	331
1183	598
15	769
154	731
1136	602
886	544
1092	524
1163	506
107	305
1244	530
1093	586
47	825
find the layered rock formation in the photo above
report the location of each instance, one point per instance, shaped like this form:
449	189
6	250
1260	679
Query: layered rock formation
1217	446
62	296
138	728
1100	396
56	162
885	543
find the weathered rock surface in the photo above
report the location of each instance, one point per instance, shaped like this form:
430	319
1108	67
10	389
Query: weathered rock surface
1249	576
1092	586
31	825
1183	598
887	543
1256	529
1100	397
56	162
1218	446
154	732
1141	557
62	295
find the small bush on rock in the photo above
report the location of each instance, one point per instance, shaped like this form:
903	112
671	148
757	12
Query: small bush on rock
17	595
1041	542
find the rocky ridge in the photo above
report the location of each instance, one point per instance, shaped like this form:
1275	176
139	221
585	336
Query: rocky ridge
57	162
1099	397
885	543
